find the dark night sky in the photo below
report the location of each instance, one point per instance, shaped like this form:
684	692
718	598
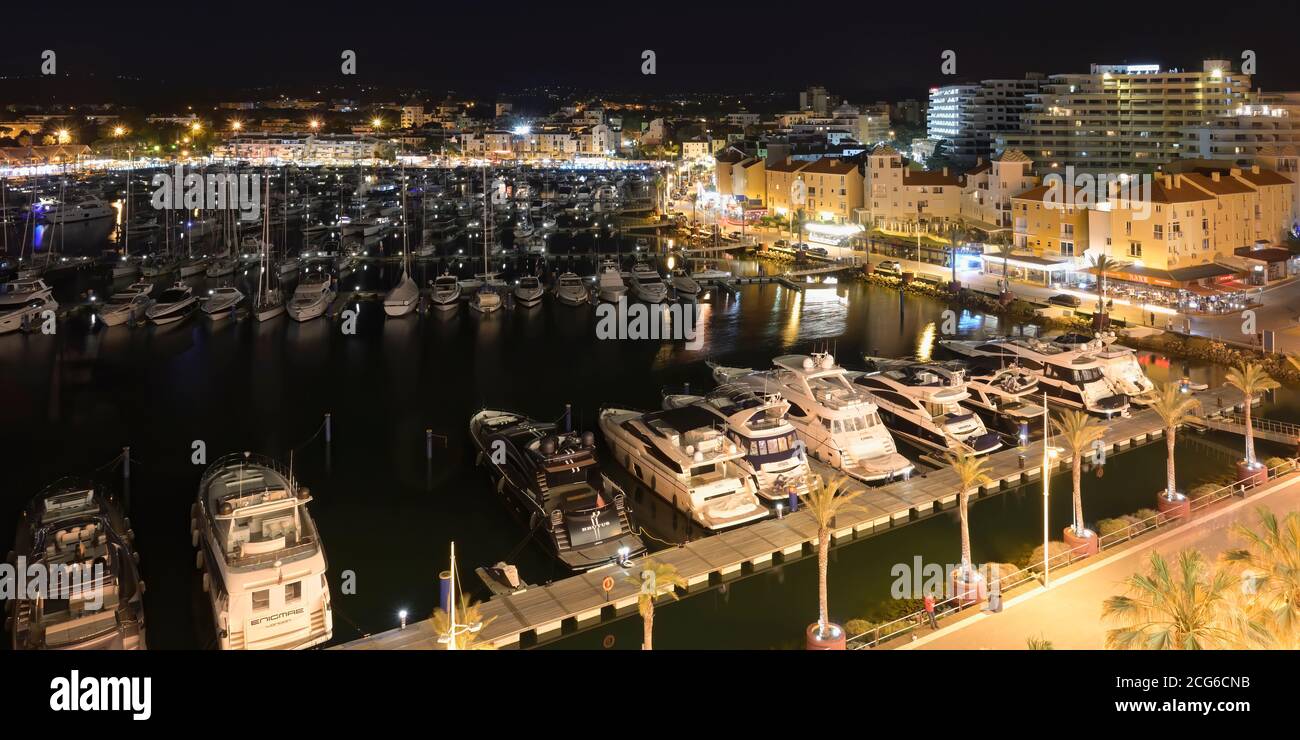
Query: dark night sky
860	50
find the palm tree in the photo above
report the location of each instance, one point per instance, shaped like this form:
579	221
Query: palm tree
1174	407
971	472
654	580
1270	564
1165	610
1251	379
825	502
1080	431
467	615
1102	264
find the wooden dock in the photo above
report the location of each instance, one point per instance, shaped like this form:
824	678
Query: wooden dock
548	611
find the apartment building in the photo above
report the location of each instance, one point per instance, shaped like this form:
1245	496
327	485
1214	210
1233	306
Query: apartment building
898	198
1123	118
988	188
1264	133
1191	219
781	177
948	118
834	189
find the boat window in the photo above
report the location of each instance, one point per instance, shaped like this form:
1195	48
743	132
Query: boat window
262	599
796	411
293	592
1087	375
762	447
826	423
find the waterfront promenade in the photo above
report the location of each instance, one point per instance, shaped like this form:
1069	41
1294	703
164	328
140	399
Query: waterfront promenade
1068	612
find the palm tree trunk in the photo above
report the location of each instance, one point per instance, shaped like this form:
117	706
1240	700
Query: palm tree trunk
648	629
965	535
1076	473
1170	486
823	565
1250	434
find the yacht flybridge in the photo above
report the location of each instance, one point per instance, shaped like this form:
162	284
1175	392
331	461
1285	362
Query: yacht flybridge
263	563
757	424
552	479
838	423
923	403
682	457
1069	377
75	528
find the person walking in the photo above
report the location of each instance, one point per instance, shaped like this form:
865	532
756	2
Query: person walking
928	602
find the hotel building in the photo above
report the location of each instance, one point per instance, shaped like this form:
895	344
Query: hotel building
1123	118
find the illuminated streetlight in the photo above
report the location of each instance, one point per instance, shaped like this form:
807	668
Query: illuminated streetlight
237	125
196	127
377	122
63	136
118	131
315	124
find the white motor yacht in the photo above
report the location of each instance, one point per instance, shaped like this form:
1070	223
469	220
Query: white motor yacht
312	297
838	422
1069	377
528	291
684	284
177	303
20	292
221	301
758	424
681	456
610	282
485	300
444	292
923	403
122	308
647	284
29	315
571	290
1119	364
263	564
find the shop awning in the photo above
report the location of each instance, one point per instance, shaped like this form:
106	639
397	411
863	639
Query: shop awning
1267	254
1178	277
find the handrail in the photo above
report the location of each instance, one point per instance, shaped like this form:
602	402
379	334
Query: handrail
907	623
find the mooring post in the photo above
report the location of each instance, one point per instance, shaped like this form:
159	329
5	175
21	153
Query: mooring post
428	444
126	464
329	429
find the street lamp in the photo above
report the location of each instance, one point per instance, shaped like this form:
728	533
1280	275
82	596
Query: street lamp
314	124
1049	453
236	125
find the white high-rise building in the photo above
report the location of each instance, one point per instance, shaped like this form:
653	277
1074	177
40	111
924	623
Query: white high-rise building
1123	118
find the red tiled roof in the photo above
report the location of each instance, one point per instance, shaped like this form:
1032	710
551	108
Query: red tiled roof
830	166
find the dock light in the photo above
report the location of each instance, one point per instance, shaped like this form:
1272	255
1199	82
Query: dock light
401	615
236	125
623	553
780	511
118	131
196	127
315	124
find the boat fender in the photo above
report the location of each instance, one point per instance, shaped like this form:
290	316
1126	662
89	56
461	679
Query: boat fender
206	583
198	559
588	440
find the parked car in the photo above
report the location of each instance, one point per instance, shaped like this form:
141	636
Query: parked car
1064	299
890	267
819	251
781	244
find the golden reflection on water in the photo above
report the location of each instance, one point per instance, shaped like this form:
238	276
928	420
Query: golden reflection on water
925	344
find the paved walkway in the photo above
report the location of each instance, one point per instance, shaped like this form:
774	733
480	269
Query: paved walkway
1068	612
